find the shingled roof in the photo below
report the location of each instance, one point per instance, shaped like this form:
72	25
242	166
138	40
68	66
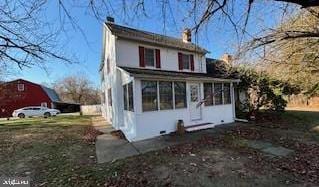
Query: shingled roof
137	72
153	38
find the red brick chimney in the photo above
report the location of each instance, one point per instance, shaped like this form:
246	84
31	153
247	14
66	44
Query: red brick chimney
187	35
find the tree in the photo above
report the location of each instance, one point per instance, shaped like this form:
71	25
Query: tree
28	38
77	89
292	58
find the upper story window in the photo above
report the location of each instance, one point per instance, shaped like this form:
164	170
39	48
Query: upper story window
185	61
149	57
20	87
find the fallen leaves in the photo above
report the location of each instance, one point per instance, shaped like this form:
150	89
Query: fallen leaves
304	164
90	134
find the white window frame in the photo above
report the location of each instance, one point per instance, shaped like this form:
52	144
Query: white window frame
158	97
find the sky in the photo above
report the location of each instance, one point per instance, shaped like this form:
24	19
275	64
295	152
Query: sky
85	42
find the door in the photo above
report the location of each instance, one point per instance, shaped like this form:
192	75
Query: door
194	103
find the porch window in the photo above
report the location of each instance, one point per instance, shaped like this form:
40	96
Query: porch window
166	95
208	94
149	57
125	97
103	98
128	96
180	94
218	93
226	90
149	96
109	96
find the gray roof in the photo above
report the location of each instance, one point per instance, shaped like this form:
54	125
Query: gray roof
51	93
153	38
150	73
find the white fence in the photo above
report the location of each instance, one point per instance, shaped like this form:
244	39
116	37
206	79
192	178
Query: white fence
91	109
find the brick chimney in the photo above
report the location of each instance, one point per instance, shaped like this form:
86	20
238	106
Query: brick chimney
227	58
110	19
187	35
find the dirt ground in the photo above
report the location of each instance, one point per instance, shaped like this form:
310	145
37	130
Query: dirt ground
60	152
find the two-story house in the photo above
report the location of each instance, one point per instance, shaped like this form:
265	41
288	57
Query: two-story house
151	81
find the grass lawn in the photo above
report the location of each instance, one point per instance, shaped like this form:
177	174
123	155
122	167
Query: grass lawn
53	152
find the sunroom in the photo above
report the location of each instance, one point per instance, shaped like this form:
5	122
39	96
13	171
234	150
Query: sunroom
155	100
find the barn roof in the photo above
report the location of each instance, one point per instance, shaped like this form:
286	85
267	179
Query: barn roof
51	93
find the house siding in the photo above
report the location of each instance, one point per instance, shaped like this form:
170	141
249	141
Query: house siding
128	56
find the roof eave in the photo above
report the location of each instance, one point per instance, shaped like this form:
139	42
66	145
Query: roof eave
206	79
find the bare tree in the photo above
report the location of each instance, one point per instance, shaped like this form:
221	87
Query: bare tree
77	89
27	38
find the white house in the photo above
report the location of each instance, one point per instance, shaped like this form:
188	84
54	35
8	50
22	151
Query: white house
150	81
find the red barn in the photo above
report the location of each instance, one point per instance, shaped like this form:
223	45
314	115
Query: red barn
21	93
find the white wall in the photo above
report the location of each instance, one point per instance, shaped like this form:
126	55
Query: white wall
128	56
109	78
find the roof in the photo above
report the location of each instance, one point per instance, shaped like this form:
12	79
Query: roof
218	68
153	38
51	93
158	74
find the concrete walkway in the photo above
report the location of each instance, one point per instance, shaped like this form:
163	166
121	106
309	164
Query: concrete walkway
269	149
110	148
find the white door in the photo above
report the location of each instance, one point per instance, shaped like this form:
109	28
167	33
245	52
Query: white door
194	103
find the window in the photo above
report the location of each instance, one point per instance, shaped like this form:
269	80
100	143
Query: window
149	57
109	96
103	98
149	95
218	93
227	98
186	61
160	94
108	66
180	94
125	97
20	87
128	97
208	94
166	95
